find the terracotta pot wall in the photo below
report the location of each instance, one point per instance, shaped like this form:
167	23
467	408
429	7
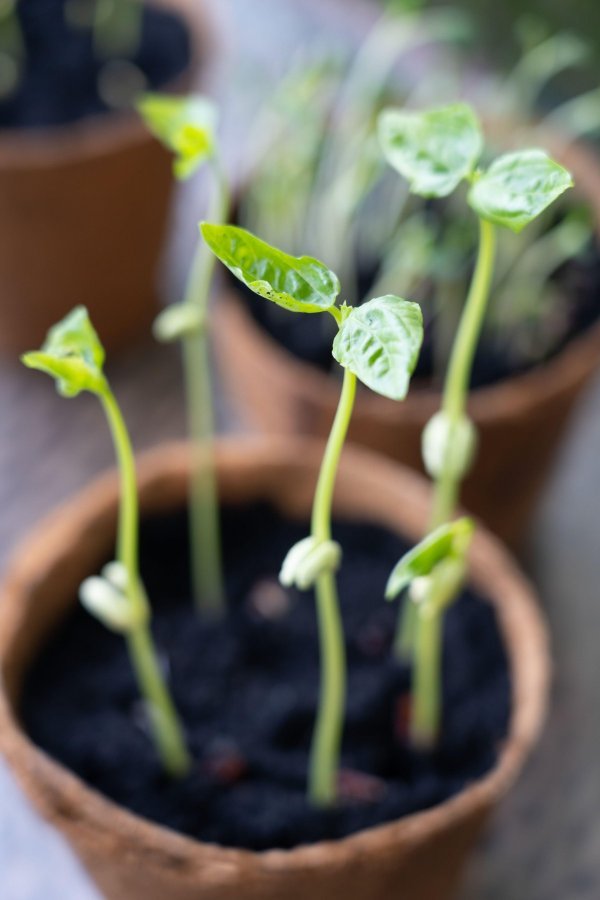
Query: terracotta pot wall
83	216
417	858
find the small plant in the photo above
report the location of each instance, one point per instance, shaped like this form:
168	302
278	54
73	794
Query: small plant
73	355
378	343
187	126
435	151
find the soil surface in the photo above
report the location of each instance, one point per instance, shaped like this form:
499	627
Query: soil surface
62	70
246	688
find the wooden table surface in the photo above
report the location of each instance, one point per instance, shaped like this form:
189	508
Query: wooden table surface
545	841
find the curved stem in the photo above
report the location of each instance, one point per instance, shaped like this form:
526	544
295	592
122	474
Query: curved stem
204	519
428	635
456	388
327	737
164	722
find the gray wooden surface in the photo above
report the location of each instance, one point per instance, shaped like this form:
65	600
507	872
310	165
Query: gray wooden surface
545	841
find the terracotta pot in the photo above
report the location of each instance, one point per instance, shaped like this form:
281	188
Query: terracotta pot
520	420
83	217
419	857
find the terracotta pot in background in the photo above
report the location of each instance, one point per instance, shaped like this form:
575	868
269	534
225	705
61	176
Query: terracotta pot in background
83	216
416	858
520	421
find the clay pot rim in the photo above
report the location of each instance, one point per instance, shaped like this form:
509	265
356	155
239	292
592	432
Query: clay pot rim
64	795
101	133
500	401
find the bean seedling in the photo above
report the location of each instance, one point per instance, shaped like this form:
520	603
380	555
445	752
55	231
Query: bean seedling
378	343
73	355
187	126
435	151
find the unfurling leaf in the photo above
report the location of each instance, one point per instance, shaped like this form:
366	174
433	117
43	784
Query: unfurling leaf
379	342
72	354
450	541
434	150
298	283
518	187
308	559
185	125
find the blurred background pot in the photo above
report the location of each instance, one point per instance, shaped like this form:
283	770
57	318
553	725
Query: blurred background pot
83	216
419	857
520	420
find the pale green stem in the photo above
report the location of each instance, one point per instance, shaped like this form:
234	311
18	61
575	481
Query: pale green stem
118	27
404	639
426	689
426	711
327	737
164	722
427	652
205	528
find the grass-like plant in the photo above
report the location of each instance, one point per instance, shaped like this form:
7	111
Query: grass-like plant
378	343
73	355
317	177
435	151
187	126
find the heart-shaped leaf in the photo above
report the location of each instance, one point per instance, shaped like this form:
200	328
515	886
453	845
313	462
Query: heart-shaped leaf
72	354
434	150
379	342
185	125
298	283
448	541
518	187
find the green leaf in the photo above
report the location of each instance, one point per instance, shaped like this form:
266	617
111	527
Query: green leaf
298	283
448	541
380	342
434	150
185	125
72	354
518	187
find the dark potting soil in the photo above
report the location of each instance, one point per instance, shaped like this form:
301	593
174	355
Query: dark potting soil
246	689
59	83
309	337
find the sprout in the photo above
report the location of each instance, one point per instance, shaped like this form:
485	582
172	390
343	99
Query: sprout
435	151
377	343
73	355
187	127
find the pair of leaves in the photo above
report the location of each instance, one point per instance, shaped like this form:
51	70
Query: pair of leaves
185	125
436	149
72	354
449	542
379	341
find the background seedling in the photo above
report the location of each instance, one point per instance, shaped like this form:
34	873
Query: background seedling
378	343
435	151
73	355
187	126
